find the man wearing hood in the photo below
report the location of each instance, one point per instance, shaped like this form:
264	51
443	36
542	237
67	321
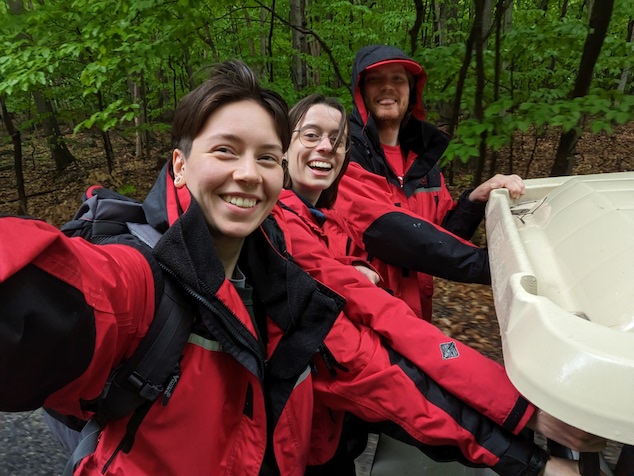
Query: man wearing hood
393	193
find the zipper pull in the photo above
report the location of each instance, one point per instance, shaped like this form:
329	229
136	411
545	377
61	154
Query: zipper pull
330	361
400	180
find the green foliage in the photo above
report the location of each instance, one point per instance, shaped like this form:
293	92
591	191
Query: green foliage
127	190
84	55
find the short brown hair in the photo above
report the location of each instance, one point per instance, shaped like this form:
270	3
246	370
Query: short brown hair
230	81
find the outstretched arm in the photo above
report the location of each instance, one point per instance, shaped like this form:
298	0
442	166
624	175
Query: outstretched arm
70	310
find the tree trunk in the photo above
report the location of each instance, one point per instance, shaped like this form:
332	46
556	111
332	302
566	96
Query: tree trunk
451	11
462	75
59	152
508	16
626	71
209	40
105	137
564	9
16	138
599	22
188	67
266	63
269	42
133	87
146	119
499	14
479	32
247	20
487	21
299	69
414	31
440	22
55	140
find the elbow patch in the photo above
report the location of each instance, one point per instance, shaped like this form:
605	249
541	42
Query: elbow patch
47	337
401	240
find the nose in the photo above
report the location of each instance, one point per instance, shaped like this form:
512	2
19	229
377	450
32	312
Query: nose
324	143
247	171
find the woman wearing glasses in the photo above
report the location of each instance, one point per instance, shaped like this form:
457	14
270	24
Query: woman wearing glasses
312	171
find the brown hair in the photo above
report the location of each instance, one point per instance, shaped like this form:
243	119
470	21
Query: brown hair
296	115
230	81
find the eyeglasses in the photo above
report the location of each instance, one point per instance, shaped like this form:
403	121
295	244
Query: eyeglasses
310	137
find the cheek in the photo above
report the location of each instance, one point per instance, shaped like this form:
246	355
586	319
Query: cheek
274	182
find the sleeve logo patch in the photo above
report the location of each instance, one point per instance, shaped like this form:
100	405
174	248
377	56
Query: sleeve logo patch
449	350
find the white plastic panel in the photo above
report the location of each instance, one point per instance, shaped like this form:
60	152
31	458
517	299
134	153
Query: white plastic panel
562	266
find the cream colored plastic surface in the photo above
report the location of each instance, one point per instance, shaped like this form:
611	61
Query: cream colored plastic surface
562	267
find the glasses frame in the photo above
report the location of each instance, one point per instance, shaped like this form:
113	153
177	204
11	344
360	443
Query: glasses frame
344	140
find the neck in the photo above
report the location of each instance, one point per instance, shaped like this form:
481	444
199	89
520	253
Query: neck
389	135
311	196
228	250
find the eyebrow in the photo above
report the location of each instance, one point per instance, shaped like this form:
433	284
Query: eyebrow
315	126
235	138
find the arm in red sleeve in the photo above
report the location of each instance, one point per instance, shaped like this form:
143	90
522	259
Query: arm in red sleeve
71	312
401	238
463	371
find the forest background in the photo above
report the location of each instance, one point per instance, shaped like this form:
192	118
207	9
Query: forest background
516	83
88	89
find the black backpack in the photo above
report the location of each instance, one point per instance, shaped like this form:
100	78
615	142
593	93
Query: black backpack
154	368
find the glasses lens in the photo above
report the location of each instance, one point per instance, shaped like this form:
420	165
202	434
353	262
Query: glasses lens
311	137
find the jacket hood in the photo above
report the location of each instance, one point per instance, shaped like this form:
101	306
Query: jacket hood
165	203
376	55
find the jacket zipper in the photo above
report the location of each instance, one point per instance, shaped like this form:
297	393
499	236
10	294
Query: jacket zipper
227	318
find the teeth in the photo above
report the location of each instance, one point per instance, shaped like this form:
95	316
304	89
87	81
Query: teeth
239	201
321	165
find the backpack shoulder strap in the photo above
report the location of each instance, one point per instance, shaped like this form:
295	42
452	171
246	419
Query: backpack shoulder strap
153	369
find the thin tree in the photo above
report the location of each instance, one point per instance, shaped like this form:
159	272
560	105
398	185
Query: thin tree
462	76
54	137
55	140
500	8
626	71
599	22
299	68
415	29
16	138
479	37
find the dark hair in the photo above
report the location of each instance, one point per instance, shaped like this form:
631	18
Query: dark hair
296	115
230	81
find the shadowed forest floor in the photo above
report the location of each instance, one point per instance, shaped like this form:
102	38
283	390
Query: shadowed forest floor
463	311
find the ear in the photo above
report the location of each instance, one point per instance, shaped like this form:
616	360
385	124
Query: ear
178	165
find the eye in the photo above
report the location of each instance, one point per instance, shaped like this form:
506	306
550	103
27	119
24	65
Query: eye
311	135
224	152
269	159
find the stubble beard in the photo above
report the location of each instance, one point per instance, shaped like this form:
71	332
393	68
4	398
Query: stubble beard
387	120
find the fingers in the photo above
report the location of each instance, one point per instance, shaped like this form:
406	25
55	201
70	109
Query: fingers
567	435
513	183
368	273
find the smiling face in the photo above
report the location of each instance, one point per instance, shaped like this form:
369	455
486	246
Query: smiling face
233	170
313	170
386	94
